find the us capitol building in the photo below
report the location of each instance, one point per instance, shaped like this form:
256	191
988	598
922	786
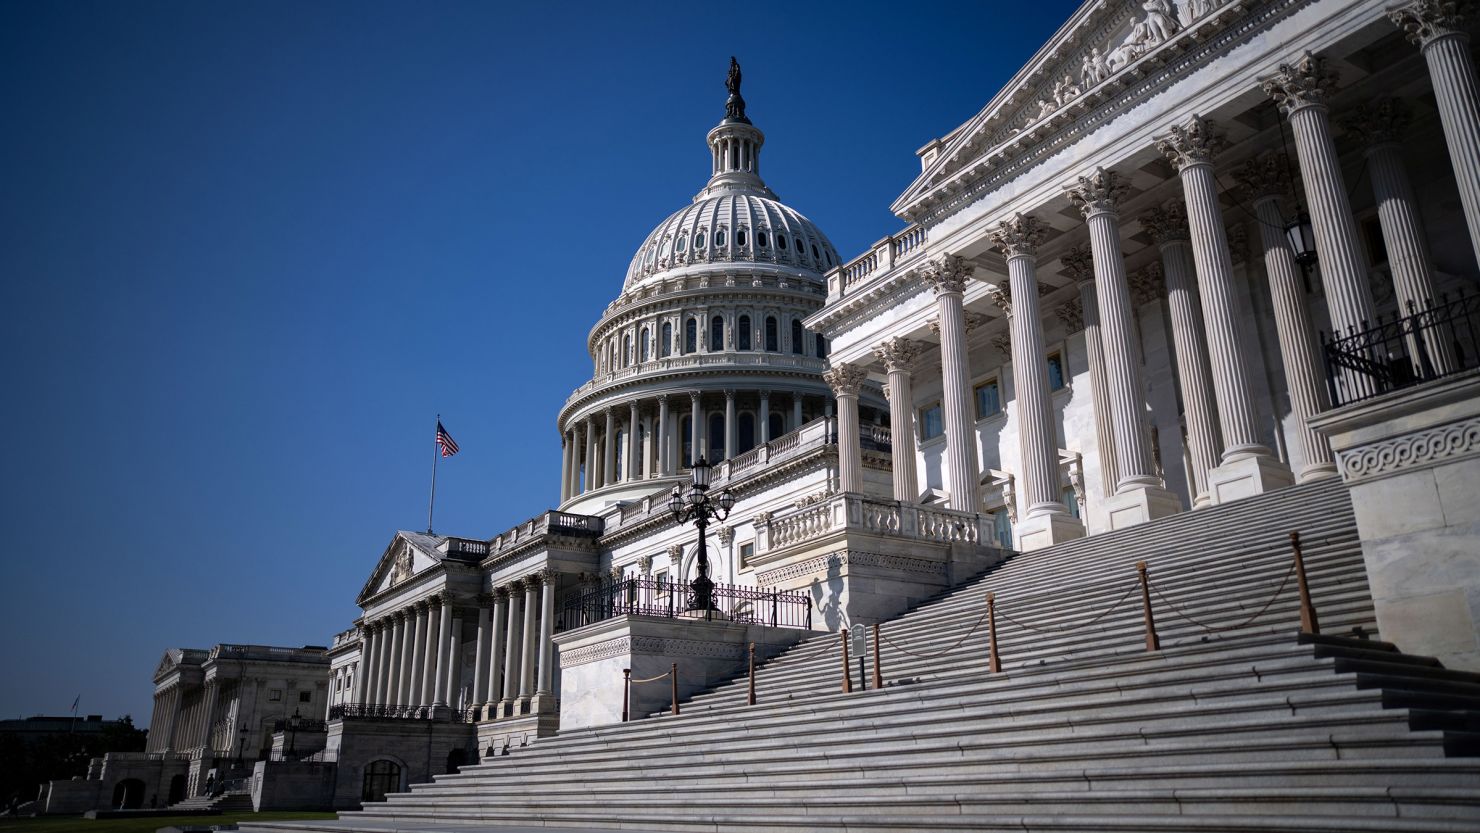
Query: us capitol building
1194	254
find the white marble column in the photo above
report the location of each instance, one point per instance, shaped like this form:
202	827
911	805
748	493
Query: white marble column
1437	27
609	450
408	648
1301	90
1265	180
512	640
1045	520
480	656
429	670
1168	230
565	444
1380	126
796	411
1247	467
544	690
497	618
898	355
1079	264
444	636
398	644
732	427
845	381
630	460
589	480
454	658
383	660
665	437
947	276
526	665
696	416
763	429
366	681
418	656
1140	495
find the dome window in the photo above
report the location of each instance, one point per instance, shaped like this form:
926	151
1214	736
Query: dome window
742	334
740	237
760	239
719	238
780	241
699	240
683	244
815	255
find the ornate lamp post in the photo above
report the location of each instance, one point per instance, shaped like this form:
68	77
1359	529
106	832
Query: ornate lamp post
293	723
697	506
240	747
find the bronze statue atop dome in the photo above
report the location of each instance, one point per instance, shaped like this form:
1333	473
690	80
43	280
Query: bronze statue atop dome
734	105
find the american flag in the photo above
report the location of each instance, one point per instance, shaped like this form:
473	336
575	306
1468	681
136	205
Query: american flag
445	441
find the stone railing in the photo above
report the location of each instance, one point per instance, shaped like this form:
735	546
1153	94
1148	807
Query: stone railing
270	653
346	637
884	256
464	546
726	358
877	516
545	523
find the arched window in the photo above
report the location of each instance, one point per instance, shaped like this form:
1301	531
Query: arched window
778	425
780	241
683	244
760	239
719	239
815	255
743	336
619	444
381	777
716	334
716	437
686	435
746	439
740	237
773	335
699	240
643	345
690	335
665	341
797	345
626	349
821	347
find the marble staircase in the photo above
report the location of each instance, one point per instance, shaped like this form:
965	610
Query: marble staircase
1237	723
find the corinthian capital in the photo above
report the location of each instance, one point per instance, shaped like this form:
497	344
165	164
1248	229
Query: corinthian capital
1079	263
1072	314
1193	143
1167	224
1306	83
1097	193
1424	20
1378	123
1001	295
1266	175
898	353
947	273
1019	235
845	379
1147	285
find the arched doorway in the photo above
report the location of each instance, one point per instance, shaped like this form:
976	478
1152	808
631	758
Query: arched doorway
177	790
128	794
455	759
381	777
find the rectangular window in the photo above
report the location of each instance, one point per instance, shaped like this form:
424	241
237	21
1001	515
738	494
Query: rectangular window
1002	528
305	696
1071	501
747	552
931	425
988	399
1056	376
275	695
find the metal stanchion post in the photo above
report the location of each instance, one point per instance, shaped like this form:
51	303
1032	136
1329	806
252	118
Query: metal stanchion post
750	697
626	691
673	678
994	662
847	678
1308	621
878	670
1153	643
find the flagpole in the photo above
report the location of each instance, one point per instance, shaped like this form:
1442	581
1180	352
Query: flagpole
432	500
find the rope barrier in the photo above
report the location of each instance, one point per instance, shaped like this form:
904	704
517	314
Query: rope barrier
953	647
651	679
1066	629
1212	629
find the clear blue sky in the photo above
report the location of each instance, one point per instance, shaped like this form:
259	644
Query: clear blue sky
249	250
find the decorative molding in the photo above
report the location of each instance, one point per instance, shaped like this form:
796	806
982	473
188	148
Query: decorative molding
1424	449
827	563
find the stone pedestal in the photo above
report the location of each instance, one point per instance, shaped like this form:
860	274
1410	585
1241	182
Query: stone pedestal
1045	530
1247	477
1140	504
1411	460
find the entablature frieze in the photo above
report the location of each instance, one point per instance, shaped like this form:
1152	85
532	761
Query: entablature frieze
620	394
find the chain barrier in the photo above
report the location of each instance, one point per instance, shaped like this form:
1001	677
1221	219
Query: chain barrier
1216	629
940	654
1067	628
651	679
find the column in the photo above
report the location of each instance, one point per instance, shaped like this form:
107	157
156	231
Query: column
408	648
417	694
845	381
496	648
898	354
665	440
208	710
564	467
429	650
634	451
1168	230
1139	495
1437	28
444	635
383	664
393	677
1380	126
1265	180
765	418
732	428
947	276
1080	265
609	451
454	658
366	681
526	666
511	652
1248	467
1046	520
649	446
796	411
544	690
695	418
589	481
480	656
1301	90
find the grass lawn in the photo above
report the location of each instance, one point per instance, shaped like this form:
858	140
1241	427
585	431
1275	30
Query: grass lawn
78	824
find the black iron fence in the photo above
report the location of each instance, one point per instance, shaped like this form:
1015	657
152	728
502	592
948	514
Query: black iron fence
362	711
304	725
664	599
1439	340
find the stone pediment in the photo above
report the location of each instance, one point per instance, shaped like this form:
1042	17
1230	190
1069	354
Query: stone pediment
1103	47
408	554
